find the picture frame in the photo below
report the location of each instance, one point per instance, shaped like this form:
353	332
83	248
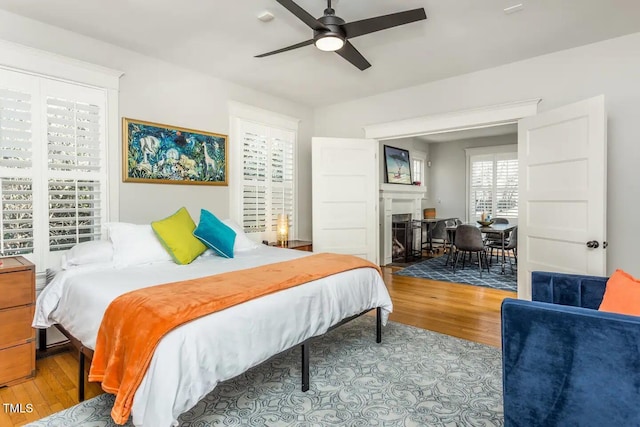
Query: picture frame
163	154
397	166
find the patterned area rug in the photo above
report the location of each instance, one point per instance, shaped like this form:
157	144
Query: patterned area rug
413	378
435	269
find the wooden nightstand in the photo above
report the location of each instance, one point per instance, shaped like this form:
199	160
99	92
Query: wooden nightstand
17	337
300	245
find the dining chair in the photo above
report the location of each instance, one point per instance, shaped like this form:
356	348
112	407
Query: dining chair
511	245
469	240
439	235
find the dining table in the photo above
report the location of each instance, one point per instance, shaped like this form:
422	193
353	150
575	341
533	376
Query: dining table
501	229
425	226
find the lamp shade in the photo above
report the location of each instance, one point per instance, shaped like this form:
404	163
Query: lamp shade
282	229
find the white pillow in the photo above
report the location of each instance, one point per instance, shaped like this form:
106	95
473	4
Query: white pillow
243	242
93	252
135	244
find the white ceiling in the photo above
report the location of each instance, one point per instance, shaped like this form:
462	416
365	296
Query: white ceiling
221	37
470	133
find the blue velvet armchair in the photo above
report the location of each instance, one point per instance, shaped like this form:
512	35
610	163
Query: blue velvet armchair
564	362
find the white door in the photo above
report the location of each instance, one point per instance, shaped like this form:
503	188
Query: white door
345	196
562	181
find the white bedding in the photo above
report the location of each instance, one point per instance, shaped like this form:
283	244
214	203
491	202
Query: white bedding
190	361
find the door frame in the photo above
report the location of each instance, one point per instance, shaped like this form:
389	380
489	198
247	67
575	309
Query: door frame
488	116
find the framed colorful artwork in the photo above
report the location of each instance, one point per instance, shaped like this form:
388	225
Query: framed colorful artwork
397	167
162	154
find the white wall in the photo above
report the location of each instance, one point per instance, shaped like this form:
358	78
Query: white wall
610	67
448	173
157	91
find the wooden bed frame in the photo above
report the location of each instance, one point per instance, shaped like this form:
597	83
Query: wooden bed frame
85	352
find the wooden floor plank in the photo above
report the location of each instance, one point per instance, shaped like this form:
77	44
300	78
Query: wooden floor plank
7	395
464	311
40	405
24	399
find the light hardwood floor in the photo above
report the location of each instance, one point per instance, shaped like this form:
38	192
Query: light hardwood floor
464	311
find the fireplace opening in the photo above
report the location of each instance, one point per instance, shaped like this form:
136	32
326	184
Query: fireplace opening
403	239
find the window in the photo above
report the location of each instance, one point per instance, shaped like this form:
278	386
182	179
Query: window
493	182
52	165
417	171
267	181
418	161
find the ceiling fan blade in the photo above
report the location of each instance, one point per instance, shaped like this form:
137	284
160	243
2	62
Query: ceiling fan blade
351	54
302	14
371	25
284	49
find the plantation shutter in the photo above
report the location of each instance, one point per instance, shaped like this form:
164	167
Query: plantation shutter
493	185
281	176
76	167
254	188
16	163
267	180
507	185
481	186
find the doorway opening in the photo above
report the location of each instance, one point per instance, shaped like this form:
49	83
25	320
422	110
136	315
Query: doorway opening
469	120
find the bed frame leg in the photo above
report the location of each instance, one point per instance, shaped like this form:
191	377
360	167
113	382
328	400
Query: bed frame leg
378	325
81	376
305	366
42	340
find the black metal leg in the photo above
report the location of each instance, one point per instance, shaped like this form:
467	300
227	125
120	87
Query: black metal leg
503	259
378	325
81	377
305	366
480	263
42	339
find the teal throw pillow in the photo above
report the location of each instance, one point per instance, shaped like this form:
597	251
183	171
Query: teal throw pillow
215	235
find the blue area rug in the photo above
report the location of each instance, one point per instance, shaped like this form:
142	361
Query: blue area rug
414	378
435	269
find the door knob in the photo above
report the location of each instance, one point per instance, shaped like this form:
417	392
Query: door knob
593	244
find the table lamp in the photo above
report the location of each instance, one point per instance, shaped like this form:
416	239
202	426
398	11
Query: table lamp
282	229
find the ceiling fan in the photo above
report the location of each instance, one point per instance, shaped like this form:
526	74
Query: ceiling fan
332	34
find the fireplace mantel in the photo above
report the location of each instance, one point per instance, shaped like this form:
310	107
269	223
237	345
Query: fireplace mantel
397	199
393	189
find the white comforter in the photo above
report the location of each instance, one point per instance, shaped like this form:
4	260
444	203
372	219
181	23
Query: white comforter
192	359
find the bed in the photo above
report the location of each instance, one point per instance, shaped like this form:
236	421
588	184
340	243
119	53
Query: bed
191	360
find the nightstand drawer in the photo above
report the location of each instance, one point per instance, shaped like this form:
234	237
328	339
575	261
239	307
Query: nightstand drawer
16	288
17	363
15	326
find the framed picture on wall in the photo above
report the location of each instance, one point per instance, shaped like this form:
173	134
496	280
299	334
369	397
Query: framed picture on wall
397	167
163	154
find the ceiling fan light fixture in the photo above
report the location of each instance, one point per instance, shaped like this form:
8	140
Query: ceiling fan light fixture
329	42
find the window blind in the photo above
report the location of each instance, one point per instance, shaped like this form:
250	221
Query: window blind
506	186
74	150
493	185
53	180
268	173
16	227
16	161
281	178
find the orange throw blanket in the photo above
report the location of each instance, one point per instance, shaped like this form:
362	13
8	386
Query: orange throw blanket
134	323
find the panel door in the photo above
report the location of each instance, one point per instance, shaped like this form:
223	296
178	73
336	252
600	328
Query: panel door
345	196
562	212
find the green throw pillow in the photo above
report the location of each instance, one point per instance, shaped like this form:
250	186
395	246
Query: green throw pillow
176	235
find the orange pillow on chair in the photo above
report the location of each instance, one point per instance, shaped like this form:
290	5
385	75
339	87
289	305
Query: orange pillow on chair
622	294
